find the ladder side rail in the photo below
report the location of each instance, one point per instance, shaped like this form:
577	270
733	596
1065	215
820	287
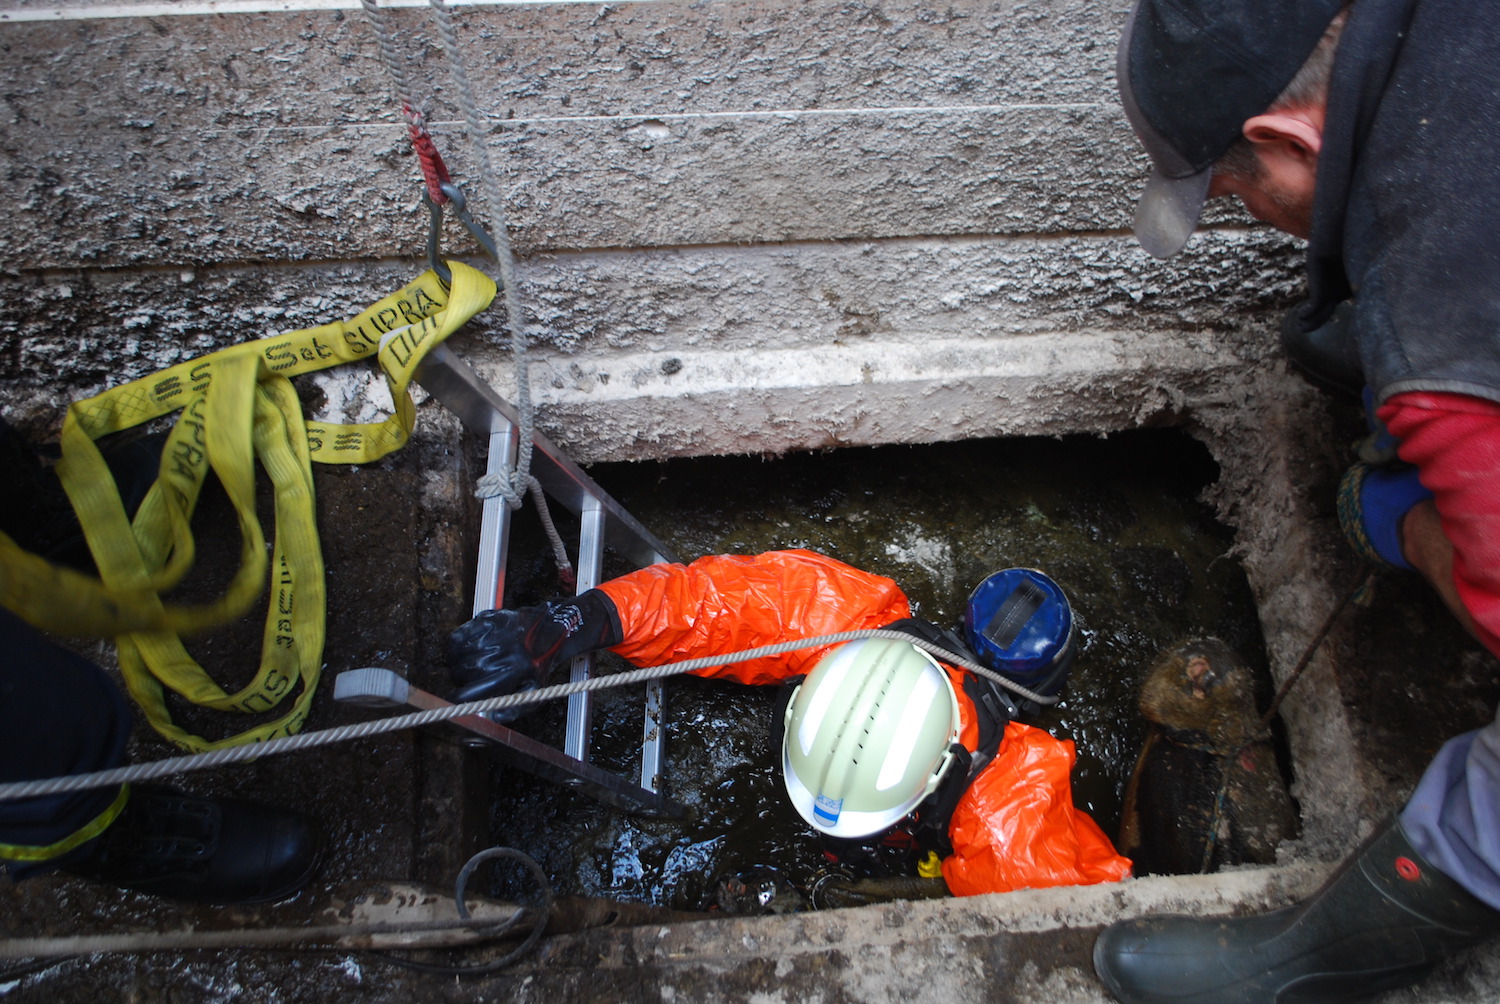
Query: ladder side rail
494	527
459	388
653	737
590	568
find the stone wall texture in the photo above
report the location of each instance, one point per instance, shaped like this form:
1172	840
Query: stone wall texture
776	195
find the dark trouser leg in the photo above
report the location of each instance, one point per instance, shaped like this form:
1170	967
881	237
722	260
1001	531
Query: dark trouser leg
59	714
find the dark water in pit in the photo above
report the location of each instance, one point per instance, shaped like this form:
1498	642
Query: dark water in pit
1116	521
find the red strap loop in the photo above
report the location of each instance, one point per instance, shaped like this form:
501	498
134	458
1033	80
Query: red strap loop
434	171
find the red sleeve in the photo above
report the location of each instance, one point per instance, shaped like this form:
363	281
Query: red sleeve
1016	826
1454	440
728	603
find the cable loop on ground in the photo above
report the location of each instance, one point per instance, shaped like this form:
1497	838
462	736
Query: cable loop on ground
543	912
542	915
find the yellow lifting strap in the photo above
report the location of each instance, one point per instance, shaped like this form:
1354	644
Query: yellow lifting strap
237	406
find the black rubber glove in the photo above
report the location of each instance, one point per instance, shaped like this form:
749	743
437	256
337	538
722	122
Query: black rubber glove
509	651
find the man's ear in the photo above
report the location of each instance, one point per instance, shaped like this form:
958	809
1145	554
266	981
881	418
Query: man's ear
1291	133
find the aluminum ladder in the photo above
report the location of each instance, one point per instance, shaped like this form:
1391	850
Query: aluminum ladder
603	521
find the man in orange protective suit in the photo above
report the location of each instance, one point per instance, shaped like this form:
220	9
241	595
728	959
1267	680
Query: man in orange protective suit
996	811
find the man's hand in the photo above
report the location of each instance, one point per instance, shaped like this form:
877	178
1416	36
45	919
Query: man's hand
1430	552
1372	503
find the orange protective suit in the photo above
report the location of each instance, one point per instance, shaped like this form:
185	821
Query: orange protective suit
1014	828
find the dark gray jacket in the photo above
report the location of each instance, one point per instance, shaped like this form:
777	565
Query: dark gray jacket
1406	218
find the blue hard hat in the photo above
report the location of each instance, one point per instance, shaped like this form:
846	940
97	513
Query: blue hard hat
1019	623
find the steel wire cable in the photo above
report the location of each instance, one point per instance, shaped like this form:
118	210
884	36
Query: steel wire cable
511	484
13	790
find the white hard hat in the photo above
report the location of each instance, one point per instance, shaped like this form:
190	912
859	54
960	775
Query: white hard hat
868	736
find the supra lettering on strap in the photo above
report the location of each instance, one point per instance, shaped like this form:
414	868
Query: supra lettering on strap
237	407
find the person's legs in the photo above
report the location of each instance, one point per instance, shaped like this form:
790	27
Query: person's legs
59	714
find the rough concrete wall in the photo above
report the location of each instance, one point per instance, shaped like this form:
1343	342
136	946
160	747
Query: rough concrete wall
261	137
687	186
1274	438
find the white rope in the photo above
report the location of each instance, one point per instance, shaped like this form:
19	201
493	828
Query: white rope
510	484
327	737
389	56
513	488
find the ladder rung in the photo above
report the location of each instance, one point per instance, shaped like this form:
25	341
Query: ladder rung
603	520
377	687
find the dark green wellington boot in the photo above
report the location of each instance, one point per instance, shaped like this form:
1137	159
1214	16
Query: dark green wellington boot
1381	921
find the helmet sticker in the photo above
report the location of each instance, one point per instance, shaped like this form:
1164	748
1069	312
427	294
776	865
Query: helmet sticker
827	809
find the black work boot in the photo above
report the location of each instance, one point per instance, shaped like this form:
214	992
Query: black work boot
1383	920
203	850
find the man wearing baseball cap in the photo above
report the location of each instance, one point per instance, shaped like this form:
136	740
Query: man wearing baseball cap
1370	131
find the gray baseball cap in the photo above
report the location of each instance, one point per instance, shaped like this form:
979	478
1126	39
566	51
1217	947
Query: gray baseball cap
1190	73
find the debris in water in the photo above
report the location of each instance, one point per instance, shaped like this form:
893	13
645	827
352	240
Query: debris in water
1207	790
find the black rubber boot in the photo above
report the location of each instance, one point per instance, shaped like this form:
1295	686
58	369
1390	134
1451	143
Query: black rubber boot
1383	920
203	850
1327	355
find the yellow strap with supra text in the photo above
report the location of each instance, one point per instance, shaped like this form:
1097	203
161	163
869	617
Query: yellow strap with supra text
237	407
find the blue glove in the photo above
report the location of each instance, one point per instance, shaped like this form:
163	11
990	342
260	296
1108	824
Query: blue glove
1372	502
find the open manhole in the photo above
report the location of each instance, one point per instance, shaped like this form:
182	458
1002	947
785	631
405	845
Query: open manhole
1117	521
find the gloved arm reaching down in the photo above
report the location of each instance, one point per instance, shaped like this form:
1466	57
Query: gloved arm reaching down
503	652
668	612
